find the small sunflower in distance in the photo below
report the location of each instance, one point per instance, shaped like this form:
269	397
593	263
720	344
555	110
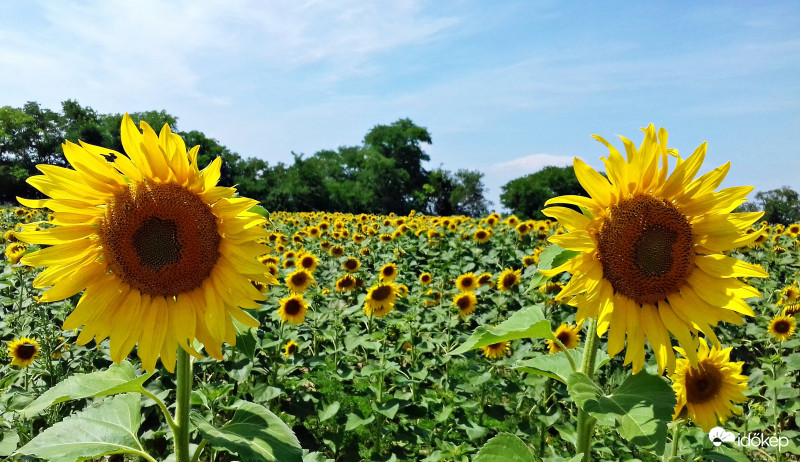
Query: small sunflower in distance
465	302
388	272
652	249
496	350
14	252
708	388
425	278
380	300
485	279
782	327
290	348
508	279
569	336
23	351
293	309
346	283
164	255
482	235
351	264
299	281
467	282
308	262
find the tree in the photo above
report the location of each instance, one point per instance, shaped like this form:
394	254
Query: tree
401	142
780	205
455	194
525	196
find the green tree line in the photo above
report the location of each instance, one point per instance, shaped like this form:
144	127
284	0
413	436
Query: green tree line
383	174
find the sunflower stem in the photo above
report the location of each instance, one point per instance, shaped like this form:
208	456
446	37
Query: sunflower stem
586	422
676	439
183	403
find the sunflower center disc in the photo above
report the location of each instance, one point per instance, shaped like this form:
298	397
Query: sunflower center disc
646	249
781	327
381	293
293	307
703	383
161	239
26	351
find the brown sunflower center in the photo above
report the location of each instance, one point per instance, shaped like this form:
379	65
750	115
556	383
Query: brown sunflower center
351	264
703	383
347	282
291	348
292	307
299	279
161	239
564	337
381	293
480	235
467	282
388	271
781	326
646	249
463	303
26	351
509	280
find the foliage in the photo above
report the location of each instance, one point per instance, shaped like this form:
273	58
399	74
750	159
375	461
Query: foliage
525	196
780	205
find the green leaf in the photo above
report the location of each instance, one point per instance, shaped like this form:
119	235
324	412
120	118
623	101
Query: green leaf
254	433
329	411
554	256
528	322
119	378
109	427
9	439
354	421
557	365
246	339
642	406
389	408
504	447
260	210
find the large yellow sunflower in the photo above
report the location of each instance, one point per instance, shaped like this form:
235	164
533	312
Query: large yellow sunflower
709	387
380	300
782	327
164	254
23	351
652	260
467	282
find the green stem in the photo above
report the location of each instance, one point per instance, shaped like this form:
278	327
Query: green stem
183	403
199	450
563	348
164	410
586	422
676	438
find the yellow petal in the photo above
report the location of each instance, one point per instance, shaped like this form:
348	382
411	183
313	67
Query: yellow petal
575	240
722	266
594	183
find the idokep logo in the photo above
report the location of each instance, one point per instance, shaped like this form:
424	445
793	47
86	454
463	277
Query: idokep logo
719	435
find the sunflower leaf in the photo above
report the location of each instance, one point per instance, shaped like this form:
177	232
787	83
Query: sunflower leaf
641	406
554	256
254	433
109	427
118	378
504	447
557	365
529	322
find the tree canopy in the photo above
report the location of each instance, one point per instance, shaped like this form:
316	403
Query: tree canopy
385	174
525	196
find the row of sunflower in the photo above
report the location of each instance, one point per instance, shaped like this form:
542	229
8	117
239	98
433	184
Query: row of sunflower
352	320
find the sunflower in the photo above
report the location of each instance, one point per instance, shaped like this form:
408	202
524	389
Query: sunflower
23	351
402	290
465	302
290	348
293	309
496	350
365	252
782	327
386	237
651	246
346	283
9	236
508	279
299	281
467	282
425	278
523	228
482	235
485	279
15	251
789	294
388	272
380	300
307	261
792	309
164	254
351	264
708	387
570	336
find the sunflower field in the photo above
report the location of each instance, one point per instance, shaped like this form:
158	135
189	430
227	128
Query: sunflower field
152	315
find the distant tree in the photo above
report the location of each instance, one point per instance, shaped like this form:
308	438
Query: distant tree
461	193
525	196
401	142
780	205
84	124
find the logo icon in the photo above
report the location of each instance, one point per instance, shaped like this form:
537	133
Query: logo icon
718	435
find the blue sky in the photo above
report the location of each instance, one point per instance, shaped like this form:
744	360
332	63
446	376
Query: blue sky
503	87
